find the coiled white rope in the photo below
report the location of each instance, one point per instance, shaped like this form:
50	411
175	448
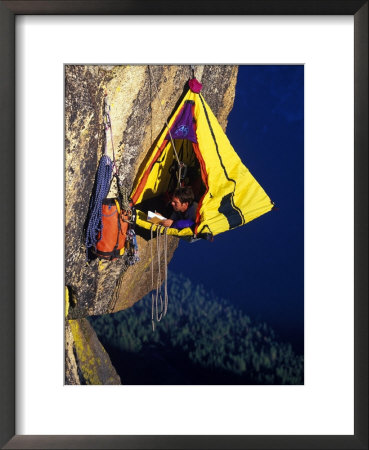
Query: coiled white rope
158	313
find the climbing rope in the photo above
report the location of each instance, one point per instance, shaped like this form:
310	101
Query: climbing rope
180	163
100	191
156	313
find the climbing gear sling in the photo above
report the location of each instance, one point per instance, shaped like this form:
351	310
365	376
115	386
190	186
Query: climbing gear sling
108	224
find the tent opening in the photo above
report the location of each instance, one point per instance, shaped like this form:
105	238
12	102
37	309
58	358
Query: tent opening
171	174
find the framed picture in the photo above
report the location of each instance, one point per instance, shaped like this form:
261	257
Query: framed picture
202	425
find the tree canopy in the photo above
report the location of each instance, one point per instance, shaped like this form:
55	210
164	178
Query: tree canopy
203	339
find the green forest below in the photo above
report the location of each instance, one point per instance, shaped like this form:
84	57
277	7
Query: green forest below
202	340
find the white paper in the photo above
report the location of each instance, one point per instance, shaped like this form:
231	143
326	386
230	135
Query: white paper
154	217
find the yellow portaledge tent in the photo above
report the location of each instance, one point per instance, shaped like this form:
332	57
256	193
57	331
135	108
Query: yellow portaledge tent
227	194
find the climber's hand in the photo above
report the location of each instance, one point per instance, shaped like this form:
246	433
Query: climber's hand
166	222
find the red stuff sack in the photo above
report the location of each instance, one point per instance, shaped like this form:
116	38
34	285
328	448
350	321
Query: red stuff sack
111	240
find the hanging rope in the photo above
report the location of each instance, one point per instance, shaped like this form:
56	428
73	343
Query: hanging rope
108	127
193	71
181	166
102	185
158	313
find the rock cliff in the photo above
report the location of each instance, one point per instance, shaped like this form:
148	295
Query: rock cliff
86	359
141	99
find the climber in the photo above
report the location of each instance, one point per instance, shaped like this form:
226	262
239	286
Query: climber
184	209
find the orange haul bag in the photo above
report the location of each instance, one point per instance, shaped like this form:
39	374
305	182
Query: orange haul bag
111	240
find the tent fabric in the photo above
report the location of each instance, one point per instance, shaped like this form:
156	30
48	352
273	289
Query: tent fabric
230	195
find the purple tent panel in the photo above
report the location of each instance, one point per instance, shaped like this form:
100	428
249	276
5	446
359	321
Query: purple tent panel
183	126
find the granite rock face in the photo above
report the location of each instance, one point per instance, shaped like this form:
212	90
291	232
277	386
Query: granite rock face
86	359
141	98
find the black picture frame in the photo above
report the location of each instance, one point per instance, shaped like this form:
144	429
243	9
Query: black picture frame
8	11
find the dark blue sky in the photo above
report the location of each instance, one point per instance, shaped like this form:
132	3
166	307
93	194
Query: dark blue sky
260	266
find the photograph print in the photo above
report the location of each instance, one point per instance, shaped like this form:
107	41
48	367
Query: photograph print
184	224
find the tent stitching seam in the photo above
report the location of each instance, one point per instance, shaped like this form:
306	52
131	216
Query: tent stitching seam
221	161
